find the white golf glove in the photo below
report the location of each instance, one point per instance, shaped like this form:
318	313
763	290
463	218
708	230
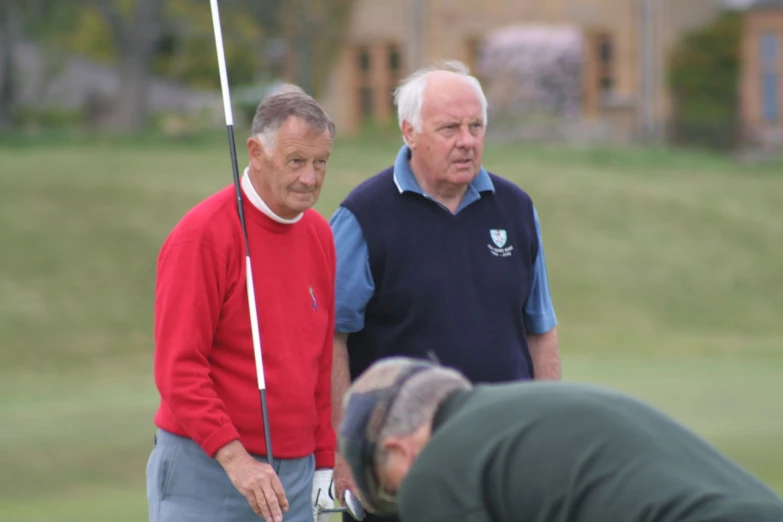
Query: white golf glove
323	491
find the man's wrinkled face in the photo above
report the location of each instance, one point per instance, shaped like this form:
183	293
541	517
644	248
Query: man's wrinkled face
290	175
451	143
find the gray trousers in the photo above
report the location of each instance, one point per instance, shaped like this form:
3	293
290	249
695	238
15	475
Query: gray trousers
185	485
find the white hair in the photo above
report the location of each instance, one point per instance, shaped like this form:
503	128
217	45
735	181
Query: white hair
409	95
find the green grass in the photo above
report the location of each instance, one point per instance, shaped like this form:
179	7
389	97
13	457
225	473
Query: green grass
665	271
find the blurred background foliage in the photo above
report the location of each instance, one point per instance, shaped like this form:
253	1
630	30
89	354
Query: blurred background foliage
172	40
704	76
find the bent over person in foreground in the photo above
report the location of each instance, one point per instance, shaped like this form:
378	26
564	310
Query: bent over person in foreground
423	442
208	463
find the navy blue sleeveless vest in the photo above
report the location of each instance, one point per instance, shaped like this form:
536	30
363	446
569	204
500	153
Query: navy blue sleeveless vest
453	284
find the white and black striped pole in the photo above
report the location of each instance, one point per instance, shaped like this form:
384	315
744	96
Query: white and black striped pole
251	298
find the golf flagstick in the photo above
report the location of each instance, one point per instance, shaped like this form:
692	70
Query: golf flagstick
251	298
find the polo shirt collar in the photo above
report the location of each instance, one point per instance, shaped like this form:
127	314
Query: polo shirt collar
406	181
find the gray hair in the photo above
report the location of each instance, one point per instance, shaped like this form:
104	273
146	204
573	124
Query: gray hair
418	400
288	101
409	95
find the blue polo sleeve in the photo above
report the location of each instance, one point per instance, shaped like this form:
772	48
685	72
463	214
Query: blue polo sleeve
539	311
354	285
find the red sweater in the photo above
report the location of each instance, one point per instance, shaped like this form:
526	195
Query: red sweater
204	361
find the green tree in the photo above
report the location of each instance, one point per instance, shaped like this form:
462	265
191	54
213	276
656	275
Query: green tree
136	28
312	32
173	39
9	14
187	51
704	79
44	21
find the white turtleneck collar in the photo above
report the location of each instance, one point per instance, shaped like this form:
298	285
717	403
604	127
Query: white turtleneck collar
257	202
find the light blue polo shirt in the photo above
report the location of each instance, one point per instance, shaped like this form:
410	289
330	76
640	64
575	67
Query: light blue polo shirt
354	286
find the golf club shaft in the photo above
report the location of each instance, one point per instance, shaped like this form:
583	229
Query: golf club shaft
249	270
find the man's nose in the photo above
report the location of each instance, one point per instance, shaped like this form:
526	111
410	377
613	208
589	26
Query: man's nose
465	139
307	176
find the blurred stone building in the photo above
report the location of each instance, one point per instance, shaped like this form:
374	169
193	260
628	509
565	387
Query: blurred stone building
761	84
626	46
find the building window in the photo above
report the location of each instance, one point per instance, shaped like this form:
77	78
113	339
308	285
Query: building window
364	98
394	74
604	52
599	73
394	59
770	77
364	60
378	70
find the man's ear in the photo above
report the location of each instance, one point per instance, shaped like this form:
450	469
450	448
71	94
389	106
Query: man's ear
394	443
255	153
409	134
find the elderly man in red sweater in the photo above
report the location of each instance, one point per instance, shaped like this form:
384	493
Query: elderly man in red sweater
208	463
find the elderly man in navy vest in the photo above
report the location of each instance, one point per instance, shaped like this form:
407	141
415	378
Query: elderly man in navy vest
436	254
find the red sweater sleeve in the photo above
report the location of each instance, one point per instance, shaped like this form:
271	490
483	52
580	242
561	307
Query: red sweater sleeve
190	285
325	438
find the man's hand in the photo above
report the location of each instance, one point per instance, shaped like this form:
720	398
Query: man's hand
343	479
257	481
323	494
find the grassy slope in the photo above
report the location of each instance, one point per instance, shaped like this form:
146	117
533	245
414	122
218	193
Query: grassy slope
665	270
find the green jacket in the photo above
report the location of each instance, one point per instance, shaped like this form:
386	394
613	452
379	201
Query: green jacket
562	452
